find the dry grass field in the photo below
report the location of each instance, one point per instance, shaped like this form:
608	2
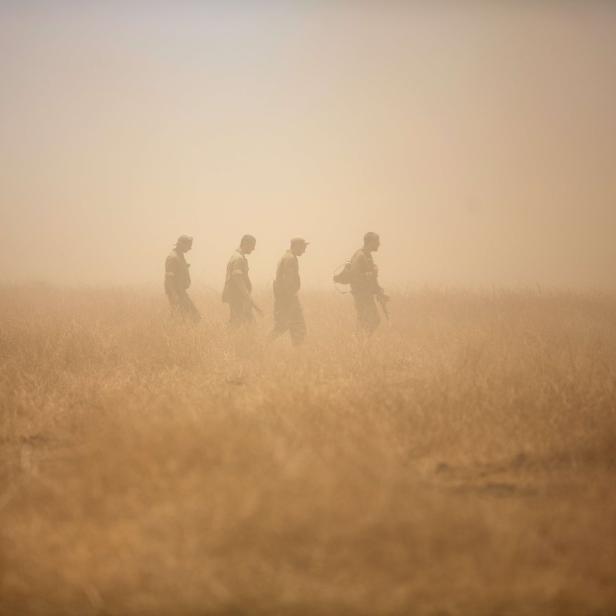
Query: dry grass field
463	461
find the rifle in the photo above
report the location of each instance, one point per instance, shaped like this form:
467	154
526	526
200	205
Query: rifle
382	299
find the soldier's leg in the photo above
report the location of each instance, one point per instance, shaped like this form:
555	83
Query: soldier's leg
368	318
238	339
188	309
373	317
281	320
242	331
297	323
360	311
235	315
240	315
174	307
195	315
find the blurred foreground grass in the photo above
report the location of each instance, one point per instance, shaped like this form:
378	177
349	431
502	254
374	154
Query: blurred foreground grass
463	461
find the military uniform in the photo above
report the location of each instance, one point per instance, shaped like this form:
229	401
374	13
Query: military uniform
237	291
288	314
365	289
177	283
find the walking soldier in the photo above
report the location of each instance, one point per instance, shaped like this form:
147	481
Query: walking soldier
365	288
288	314
177	281
238	288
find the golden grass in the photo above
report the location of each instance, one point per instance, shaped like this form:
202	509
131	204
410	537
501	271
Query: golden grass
461	462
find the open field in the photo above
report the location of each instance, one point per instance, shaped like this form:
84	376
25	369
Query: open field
461	462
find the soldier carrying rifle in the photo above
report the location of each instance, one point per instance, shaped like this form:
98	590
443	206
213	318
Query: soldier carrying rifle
362	274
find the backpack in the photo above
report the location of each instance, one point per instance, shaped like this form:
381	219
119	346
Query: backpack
343	274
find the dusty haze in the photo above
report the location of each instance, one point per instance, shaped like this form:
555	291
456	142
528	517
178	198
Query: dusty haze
460	461
479	141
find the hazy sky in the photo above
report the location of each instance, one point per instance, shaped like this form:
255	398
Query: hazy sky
479	139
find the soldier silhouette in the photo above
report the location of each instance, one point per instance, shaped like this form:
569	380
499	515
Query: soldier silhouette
288	314
237	291
177	281
365	288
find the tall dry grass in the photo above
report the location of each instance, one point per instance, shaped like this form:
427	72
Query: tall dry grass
460	462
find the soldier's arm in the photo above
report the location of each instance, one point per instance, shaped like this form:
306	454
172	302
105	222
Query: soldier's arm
370	276
188	281
238	283
363	273
289	276
295	275
378	289
171	266
171	271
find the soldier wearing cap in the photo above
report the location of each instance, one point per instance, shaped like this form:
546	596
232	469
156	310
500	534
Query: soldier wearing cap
177	281
365	287
288	314
238	288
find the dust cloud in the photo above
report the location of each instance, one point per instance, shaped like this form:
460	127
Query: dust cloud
442	445
478	141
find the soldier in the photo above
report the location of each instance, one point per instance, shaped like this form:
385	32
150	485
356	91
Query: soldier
238	288
365	287
177	281
288	315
